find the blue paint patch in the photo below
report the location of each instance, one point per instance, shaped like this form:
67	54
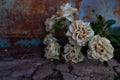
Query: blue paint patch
72	3
4	43
81	10
9	3
2	15
23	43
36	42
28	43
102	7
3	22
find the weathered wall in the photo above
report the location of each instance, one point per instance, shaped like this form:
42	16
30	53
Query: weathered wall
22	21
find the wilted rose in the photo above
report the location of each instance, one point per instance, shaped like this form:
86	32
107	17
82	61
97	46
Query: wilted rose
52	51
79	33
72	54
100	48
49	38
67	11
50	22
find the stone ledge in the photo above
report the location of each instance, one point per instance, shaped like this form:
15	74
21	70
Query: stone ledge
41	69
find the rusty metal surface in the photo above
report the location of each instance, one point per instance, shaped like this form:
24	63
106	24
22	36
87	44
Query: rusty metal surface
20	18
25	18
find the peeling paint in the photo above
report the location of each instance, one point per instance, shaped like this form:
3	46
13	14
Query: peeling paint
25	18
29	15
4	43
105	8
29	43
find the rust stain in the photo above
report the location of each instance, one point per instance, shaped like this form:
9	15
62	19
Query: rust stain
37	6
87	17
28	16
77	4
116	11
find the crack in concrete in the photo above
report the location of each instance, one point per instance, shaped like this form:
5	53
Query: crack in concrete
22	77
36	69
34	72
117	76
71	68
67	71
56	75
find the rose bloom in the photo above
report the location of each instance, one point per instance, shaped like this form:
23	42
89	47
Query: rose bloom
49	23
48	39
52	51
100	48
67	11
79	33
72	54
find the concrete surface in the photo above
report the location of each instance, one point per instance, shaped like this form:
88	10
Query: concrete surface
42	69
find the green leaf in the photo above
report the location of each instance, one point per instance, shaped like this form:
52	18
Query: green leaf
115	30
110	22
58	25
99	17
95	27
98	25
115	37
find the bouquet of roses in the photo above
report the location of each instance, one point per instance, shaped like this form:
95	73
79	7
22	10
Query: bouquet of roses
82	37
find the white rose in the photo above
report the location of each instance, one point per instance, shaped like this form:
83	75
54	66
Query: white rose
52	51
72	54
67	11
49	23
48	39
79	33
100	48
